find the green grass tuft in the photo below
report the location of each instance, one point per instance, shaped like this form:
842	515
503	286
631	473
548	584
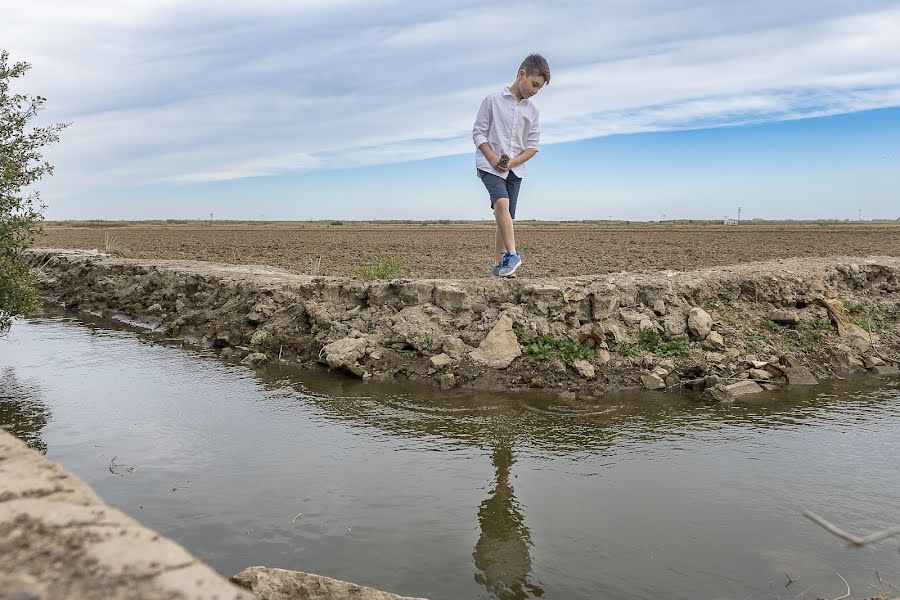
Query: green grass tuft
387	267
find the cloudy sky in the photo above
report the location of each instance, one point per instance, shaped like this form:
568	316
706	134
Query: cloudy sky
352	109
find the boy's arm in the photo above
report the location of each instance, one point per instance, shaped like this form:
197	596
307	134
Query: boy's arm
526	154
490	155
480	131
532	144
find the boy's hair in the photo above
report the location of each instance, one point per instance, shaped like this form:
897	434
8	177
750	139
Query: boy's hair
535	64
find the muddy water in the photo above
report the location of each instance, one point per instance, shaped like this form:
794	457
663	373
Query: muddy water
464	494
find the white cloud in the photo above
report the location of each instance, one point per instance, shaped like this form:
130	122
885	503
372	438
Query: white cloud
180	92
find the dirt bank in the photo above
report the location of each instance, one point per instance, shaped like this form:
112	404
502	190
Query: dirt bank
459	250
728	330
60	540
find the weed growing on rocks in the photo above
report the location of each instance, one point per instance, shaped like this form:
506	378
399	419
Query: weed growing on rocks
571	351
538	349
820	325
716	303
651	341
542	347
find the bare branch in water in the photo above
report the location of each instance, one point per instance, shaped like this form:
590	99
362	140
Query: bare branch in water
853	540
847	595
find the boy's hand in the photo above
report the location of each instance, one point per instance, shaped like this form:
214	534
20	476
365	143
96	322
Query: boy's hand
495	162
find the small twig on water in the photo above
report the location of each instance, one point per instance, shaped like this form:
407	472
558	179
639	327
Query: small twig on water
790	581
113	465
853	540
280	348
294	520
847	595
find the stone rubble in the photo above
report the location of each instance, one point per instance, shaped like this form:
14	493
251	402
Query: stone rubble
792	321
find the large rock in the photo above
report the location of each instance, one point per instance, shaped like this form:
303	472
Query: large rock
784	317
260	312
799	376
584	368
728	393
451	298
652	381
415	326
714	341
631	317
281	584
417	292
604	303
762	374
454	347
885	370
255	359
440	361
344	353
699	323
260	337
673	326
543	298
500	347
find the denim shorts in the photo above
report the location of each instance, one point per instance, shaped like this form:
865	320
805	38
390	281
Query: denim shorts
498	188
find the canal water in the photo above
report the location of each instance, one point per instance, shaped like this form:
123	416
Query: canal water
464	494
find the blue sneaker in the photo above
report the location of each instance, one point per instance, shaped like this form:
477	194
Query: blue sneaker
510	263
495	272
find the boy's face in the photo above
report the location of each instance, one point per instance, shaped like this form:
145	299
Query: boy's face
529	85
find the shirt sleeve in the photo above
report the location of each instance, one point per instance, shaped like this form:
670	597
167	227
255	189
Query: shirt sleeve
482	123
533	140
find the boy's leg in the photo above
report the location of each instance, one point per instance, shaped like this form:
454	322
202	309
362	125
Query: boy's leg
512	261
499	247
505	234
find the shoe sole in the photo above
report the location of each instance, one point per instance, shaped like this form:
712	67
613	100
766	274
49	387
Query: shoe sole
512	271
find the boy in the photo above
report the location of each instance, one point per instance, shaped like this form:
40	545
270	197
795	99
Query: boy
506	135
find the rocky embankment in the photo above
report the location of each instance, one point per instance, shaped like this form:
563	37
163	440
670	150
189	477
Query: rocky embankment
723	331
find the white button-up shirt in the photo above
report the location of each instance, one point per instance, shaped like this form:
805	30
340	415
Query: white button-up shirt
509	126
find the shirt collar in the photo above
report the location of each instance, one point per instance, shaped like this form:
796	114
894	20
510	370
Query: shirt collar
506	92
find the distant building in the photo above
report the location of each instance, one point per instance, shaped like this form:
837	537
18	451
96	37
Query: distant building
729	221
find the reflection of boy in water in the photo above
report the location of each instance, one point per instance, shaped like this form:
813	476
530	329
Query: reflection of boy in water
501	554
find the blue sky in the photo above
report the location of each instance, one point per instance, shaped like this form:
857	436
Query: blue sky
349	109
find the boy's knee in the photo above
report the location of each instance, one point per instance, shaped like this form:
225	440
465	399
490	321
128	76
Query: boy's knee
501	204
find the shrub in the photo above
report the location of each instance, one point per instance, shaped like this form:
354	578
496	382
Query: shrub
21	167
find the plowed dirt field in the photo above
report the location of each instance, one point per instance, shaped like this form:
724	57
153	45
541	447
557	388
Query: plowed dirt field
465	250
